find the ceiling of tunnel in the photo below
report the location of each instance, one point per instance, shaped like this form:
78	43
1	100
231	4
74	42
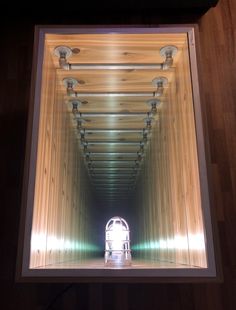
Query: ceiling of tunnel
114	108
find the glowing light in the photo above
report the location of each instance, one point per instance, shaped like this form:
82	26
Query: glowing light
178	242
38	241
42	242
163	244
181	242
54	243
117	251
196	241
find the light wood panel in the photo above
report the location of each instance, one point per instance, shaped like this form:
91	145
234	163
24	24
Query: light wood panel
116	104
41	196
61	231
188	163
168	195
115	80
124	48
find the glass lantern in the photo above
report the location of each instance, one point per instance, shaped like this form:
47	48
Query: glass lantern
117	247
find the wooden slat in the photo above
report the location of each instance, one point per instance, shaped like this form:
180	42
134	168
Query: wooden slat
115	80
123	48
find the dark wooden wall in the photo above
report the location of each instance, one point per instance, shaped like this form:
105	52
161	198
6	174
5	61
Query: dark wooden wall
218	54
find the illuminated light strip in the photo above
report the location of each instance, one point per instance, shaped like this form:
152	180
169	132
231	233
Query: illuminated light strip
132	66
134	169
90	168
113	185
109	189
126	143
128	187
112	161
112	164
110	194
111	177
117	178
109	130
115	197
114	182
113	154
115	190
153	94
112	114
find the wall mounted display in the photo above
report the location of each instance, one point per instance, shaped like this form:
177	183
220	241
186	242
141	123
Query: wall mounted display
115	131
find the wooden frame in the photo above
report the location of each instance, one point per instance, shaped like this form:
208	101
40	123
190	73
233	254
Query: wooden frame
24	273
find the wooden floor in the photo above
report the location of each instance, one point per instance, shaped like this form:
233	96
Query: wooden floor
217	39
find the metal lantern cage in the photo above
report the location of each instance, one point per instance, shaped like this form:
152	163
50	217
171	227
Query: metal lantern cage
117	248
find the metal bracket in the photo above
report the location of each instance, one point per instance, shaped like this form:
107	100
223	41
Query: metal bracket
148	120
75	105
168	51
160	81
63	51
70	83
80	122
153	103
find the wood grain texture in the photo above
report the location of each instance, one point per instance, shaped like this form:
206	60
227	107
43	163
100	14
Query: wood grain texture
168	195
128	48
60	230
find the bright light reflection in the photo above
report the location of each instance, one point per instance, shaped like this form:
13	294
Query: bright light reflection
117	235
191	242
117	243
40	242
